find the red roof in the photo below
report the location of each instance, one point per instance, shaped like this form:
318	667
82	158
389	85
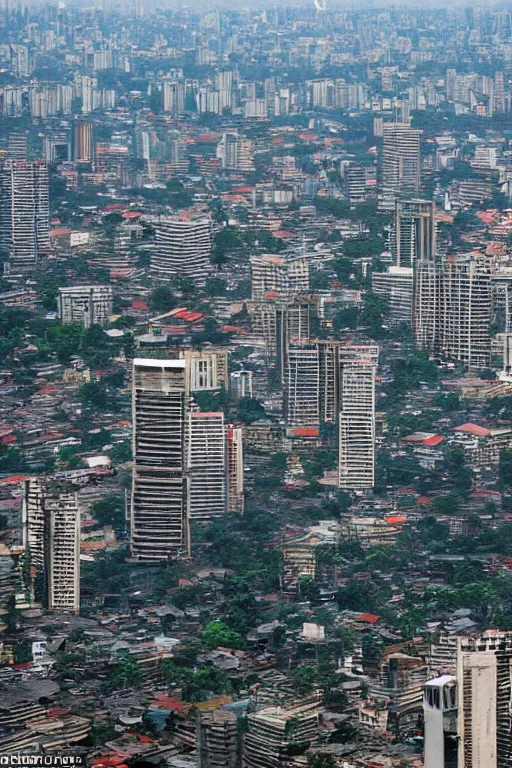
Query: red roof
434	440
108	760
242	190
13	479
59	232
368	618
139	304
131	214
396	519
186	314
114	207
163	701
305	432
473	429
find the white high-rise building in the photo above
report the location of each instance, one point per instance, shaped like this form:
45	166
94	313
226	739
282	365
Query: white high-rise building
89	92
440	718
206	465
63	552
159	527
183	247
241	384
357	417
86	304
24	210
51	526
278	276
173	93
235	153
302	385
235	468
401	161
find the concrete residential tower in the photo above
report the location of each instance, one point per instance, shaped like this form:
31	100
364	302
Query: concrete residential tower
183	247
159	488
51	524
24	211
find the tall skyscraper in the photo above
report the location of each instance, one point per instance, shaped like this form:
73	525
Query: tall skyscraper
468	719
235	153
51	521
173	95
235	465
396	286
183	247
453	308
159	498
466	309
357	417
206	465
451	83
63	552
279	276
484	696
413	236
440	718
425	305
401	162
279	321
331	382
17	146
24	210
83	143
302	385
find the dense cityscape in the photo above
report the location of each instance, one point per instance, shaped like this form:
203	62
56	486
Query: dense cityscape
256	385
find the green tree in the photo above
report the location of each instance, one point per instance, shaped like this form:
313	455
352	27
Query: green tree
101	733
218	634
110	510
250	409
308	588
127	673
162	299
344	269
214	286
277	638
346	318
94	393
304	680
447	504
374	314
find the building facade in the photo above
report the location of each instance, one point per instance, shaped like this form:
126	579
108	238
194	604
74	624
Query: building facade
401	161
85	304
159	488
51	532
278	276
206	465
24	211
413	236
357	418
235	468
183	247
